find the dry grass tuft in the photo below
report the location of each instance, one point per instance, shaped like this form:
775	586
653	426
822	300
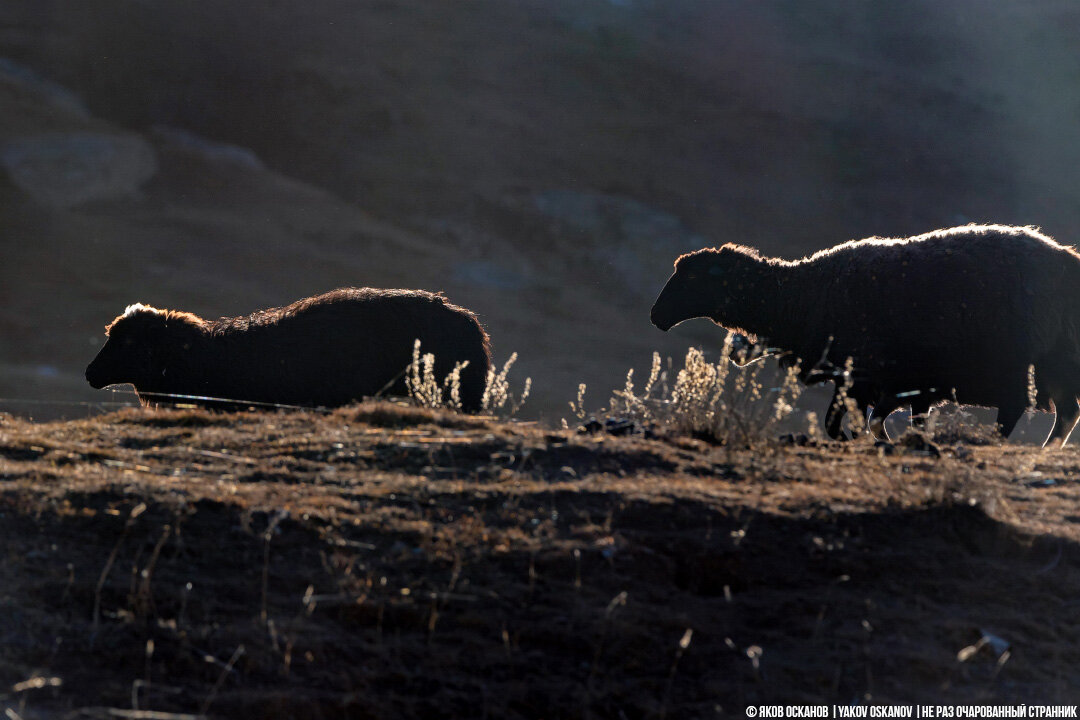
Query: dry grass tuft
497	398
953	426
428	391
721	402
425	389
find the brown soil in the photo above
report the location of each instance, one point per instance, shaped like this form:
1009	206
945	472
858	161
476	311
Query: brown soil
387	562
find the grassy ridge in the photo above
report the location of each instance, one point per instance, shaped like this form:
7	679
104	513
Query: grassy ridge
384	561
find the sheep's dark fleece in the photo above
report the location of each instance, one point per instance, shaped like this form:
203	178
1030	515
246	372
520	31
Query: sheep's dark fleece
964	310
326	350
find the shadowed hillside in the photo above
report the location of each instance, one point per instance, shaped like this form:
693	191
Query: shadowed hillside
389	562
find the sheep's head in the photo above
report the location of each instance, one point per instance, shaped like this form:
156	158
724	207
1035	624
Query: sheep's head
140	345
701	286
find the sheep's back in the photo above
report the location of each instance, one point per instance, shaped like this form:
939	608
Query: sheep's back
341	349
936	308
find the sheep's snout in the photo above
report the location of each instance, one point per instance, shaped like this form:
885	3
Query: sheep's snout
101	370
94	377
669	309
661	319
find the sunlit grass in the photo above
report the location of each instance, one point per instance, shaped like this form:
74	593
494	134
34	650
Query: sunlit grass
719	401
426	390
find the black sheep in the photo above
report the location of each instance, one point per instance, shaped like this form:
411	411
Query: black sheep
958	313
327	350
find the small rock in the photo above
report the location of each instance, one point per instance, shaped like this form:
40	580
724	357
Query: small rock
615	426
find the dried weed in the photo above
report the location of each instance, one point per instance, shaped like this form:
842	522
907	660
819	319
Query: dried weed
428	391
720	402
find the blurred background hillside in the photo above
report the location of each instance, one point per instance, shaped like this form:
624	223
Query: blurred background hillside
541	161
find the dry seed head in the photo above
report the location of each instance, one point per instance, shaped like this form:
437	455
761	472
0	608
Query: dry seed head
578	408
654	373
497	393
1032	391
452	383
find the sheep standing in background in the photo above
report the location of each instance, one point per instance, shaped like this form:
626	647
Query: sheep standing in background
327	350
961	311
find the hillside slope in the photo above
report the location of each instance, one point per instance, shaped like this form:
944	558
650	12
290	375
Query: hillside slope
382	561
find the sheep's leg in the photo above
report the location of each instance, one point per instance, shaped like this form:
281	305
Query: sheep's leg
887	403
920	409
834	420
878	413
1009	413
877	428
1067	411
834	416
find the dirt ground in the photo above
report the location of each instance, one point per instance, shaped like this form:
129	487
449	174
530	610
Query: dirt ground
382	561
